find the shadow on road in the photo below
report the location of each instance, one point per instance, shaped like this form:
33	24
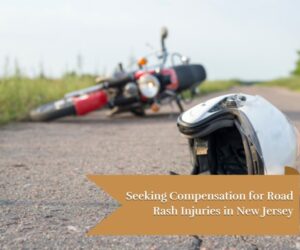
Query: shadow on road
123	119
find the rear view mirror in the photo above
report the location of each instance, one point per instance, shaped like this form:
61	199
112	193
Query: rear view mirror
164	33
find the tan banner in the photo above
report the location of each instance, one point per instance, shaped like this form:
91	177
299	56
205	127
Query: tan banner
211	205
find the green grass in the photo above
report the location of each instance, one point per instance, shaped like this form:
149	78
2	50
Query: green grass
18	95
215	86
292	83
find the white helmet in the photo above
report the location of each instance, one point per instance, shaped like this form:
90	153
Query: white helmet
239	134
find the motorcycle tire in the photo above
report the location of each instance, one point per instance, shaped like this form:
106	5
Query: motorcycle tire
138	112
53	110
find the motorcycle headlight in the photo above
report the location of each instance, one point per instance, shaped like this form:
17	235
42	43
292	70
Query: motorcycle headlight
148	85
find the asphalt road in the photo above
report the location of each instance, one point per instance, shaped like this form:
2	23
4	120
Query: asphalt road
46	200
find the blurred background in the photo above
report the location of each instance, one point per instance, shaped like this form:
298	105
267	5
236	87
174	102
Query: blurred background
234	39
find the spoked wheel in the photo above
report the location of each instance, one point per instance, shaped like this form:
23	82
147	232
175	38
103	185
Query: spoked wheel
53	110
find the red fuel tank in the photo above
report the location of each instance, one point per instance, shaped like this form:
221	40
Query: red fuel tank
88	103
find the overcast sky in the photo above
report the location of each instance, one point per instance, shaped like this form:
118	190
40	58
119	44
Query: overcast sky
254	39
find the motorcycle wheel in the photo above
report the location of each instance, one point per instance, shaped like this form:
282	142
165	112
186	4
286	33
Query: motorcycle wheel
138	112
53	110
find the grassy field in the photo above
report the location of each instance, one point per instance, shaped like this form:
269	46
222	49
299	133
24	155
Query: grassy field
214	86
19	95
292	83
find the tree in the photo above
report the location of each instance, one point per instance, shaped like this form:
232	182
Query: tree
296	71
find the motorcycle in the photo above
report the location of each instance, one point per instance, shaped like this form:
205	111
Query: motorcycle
135	91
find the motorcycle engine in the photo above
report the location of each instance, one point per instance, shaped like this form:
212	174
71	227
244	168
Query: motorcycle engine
130	90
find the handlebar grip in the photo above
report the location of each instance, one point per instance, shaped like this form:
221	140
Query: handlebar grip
115	83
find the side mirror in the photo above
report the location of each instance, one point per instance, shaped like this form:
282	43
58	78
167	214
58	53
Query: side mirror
164	33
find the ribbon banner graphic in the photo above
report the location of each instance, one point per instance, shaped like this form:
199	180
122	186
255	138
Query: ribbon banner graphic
210	205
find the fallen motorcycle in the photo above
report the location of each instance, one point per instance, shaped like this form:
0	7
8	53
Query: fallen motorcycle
146	88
